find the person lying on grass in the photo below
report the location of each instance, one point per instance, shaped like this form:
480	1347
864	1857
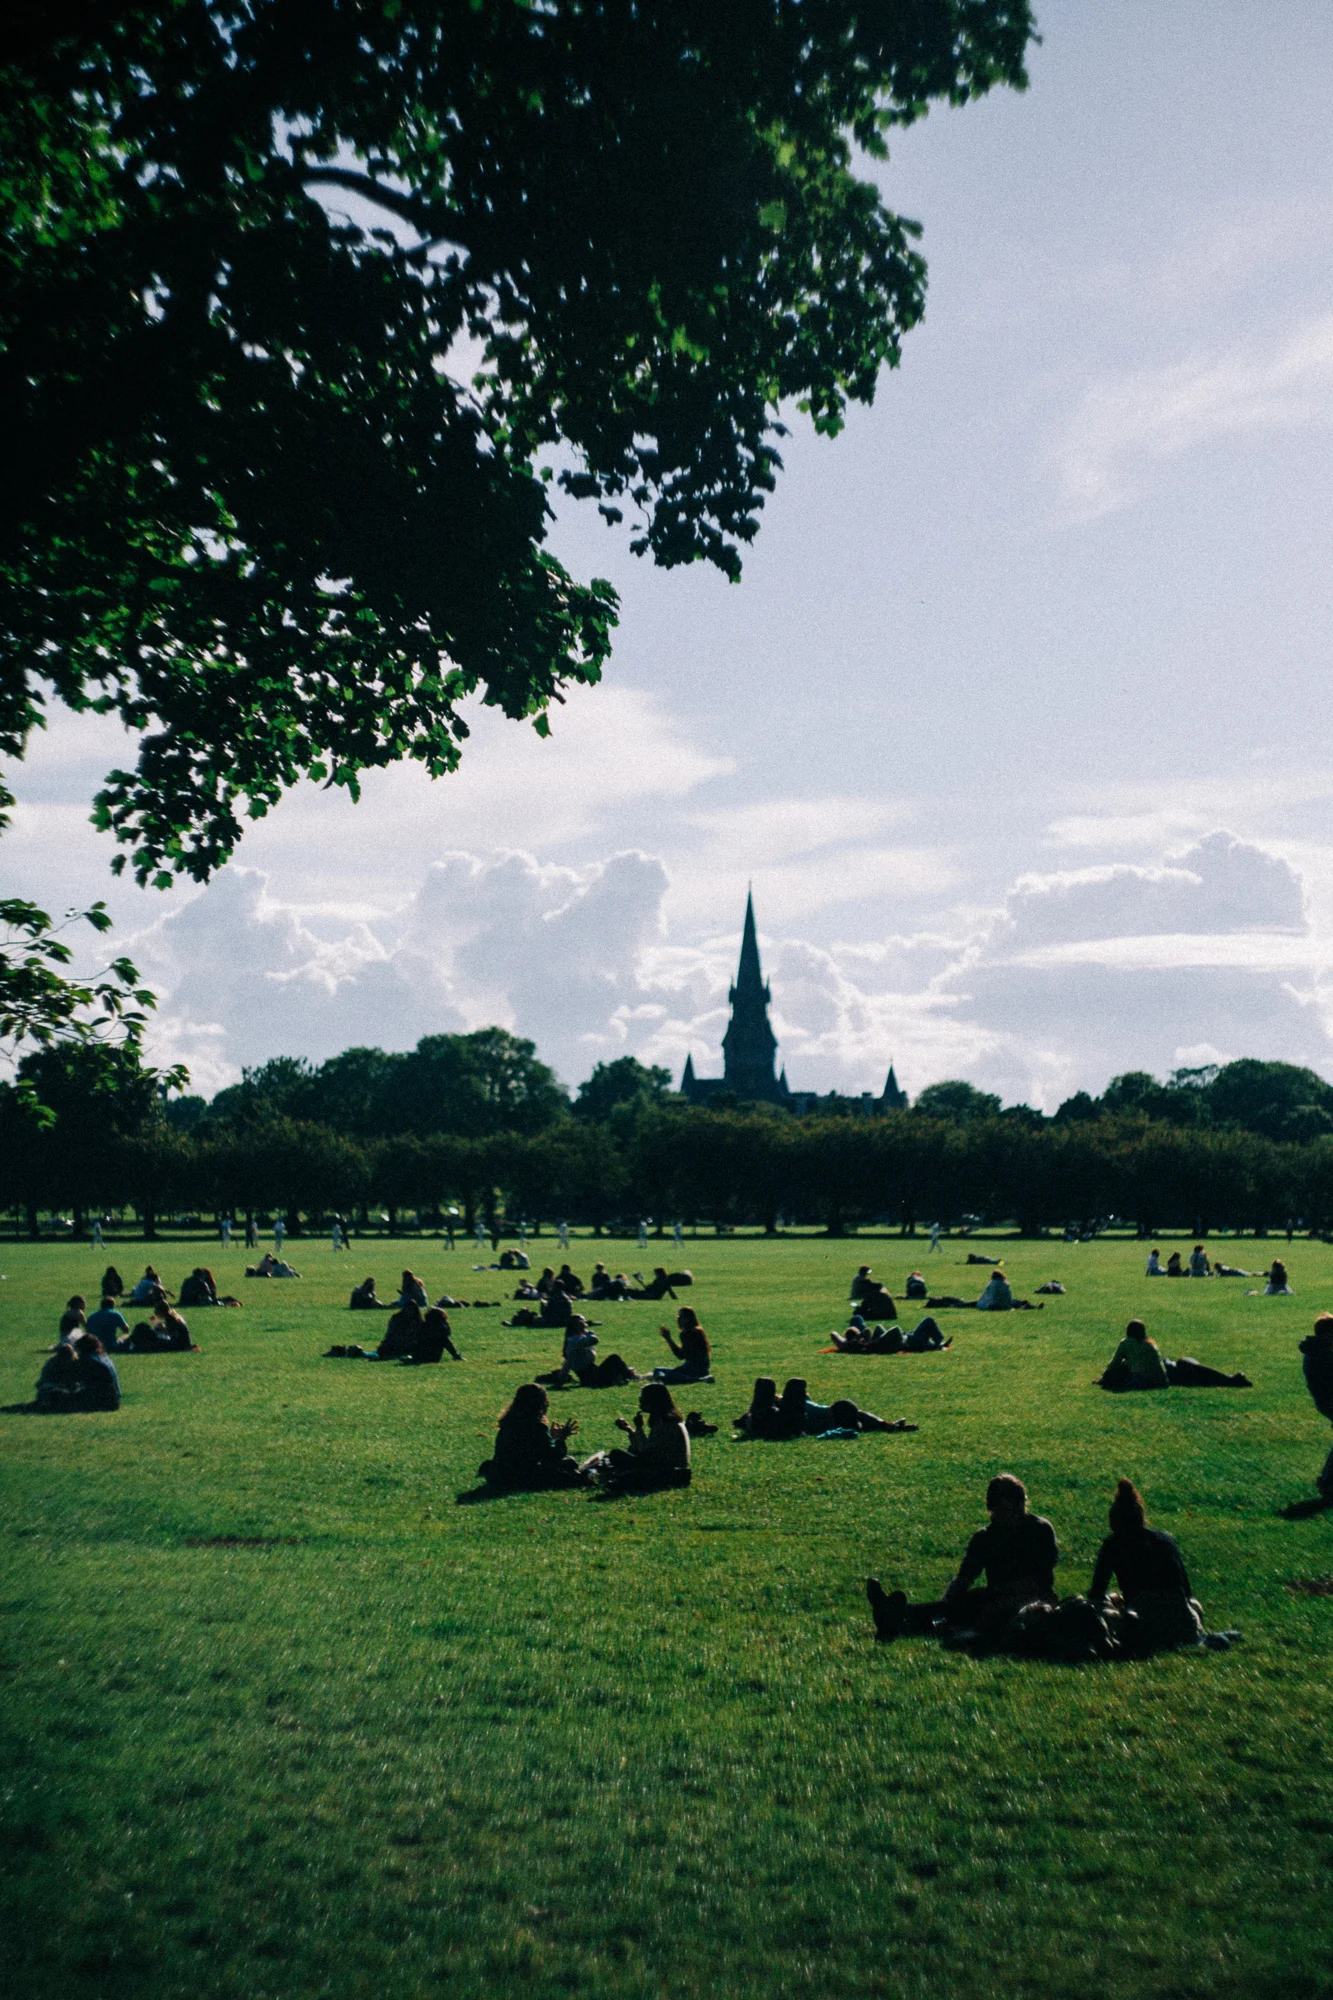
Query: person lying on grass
862	1339
654	1457
661	1285
997	1296
579	1363
1231	1271
1138	1363
270	1266
1017	1554
530	1452
795	1414
694	1351
1156	1609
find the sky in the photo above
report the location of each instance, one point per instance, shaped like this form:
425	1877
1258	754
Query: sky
1018	721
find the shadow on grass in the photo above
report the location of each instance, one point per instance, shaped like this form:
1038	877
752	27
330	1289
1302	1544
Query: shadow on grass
1302	1510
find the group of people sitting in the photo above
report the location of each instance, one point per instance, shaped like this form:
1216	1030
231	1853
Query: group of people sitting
532	1452
554	1294
795	1414
1017	1610
580	1365
270	1266
164	1333
1202	1266
874	1303
1138	1363
79	1375
411	1336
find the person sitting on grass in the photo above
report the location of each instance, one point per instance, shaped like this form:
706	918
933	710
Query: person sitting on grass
400	1336
363	1298
109	1324
862	1339
1156	1609
112	1282
165	1333
579	1362
694	1352
996	1296
1138	1363
1199	1265
98	1379
73	1321
603	1286
200	1289
555	1310
572	1283
1156	1269
435	1339
59	1386
1317	1366
1278	1286
876	1304
1174	1267
411	1292
916	1287
1017	1554
861	1284
270	1266
530	1452
760	1420
656	1457
142	1294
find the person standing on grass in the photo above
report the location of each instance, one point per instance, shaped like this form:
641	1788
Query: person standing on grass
1317	1363
225	1232
1017	1554
934	1238
279	1234
251	1233
97	1232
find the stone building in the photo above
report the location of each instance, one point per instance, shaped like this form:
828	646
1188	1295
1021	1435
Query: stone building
749	1050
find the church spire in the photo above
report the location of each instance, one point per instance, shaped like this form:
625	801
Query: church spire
749	1045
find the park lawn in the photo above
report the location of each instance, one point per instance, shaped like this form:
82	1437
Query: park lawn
280	1718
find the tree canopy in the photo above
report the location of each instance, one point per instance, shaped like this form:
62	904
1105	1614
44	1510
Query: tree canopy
279	478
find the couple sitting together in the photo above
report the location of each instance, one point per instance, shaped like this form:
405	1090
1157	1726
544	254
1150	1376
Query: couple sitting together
1017	1609
411	1336
531	1452
270	1266
579	1362
77	1376
1138	1363
165	1333
795	1414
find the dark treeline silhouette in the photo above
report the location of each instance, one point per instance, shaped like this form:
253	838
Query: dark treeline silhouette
478	1123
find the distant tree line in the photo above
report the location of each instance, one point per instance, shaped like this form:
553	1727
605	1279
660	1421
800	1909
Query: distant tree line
477	1124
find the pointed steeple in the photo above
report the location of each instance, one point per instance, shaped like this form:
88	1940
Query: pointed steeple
894	1098
749	977
687	1075
749	1045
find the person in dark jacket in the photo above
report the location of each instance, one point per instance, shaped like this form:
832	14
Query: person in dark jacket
400	1335
693	1351
875	1303
364	1299
1317	1362
59	1388
530	1452
435	1338
1157	1609
112	1282
556	1309
603	1286
1017	1554
98	1379
661	1285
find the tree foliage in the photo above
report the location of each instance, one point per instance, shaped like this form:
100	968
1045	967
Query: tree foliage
277	487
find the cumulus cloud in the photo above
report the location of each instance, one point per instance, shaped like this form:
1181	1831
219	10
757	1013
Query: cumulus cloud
1078	975
1124	426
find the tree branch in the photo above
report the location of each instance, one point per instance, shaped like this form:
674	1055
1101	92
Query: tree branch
423	218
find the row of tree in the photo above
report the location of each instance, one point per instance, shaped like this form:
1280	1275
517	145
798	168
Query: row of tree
673	1161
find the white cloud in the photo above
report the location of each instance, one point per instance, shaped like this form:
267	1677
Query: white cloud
1123	426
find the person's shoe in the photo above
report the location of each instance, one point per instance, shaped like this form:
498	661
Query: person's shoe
335	1354
1241	1382
887	1608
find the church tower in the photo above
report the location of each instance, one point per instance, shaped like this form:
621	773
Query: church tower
749	1045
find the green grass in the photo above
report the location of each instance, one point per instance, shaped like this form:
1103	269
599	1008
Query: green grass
550	1745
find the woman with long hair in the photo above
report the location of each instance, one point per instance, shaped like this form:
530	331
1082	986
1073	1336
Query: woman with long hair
530	1452
655	1456
1155	1609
